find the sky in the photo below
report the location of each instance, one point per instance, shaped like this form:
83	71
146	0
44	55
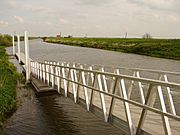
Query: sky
101	18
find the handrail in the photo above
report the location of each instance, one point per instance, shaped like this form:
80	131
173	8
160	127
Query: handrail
155	82
118	97
127	68
62	75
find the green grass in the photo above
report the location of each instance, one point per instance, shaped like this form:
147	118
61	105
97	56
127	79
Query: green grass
164	48
8	81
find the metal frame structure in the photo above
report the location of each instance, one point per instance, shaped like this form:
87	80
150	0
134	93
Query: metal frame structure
114	85
21	58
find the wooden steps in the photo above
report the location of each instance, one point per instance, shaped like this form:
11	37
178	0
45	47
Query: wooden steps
41	88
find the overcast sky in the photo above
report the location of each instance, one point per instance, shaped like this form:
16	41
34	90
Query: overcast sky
91	17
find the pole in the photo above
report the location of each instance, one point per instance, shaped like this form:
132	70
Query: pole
19	49
126	35
27	65
13	45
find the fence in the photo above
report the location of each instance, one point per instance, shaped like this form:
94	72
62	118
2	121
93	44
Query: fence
113	88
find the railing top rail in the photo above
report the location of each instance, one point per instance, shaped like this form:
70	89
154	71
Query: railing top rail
145	80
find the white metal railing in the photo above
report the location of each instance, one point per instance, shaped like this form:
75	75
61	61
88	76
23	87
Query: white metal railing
24	58
138	72
112	85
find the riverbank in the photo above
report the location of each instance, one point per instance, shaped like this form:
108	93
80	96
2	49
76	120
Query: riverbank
8	81
162	48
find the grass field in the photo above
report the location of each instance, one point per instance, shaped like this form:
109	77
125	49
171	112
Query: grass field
163	48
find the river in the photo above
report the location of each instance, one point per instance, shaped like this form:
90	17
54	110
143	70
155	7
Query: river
41	51
59	115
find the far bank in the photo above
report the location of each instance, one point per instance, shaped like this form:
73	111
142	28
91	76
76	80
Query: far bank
162	48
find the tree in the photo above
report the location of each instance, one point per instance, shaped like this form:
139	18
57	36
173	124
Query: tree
5	40
147	36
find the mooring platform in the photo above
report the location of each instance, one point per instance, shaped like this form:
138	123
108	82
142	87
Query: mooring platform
41	87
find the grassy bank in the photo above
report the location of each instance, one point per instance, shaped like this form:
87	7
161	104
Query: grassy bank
8	80
164	48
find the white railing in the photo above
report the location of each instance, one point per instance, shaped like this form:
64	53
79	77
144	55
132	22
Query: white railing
24	58
115	88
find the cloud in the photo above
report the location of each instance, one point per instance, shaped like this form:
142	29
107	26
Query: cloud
63	21
172	18
171	5
94	2
12	3
37	9
82	15
98	27
28	7
3	23
98	17
19	19
49	23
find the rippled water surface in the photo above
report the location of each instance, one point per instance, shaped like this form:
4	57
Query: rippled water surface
54	115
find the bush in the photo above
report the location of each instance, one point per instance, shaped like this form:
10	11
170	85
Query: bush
5	40
147	36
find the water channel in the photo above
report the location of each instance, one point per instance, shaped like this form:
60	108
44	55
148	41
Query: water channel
40	51
59	115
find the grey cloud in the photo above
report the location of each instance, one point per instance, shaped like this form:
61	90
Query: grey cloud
19	19
21	5
3	23
12	3
82	15
94	2
162	5
94	17
38	9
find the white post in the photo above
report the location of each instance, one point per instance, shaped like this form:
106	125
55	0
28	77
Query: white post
27	66
19	49
13	45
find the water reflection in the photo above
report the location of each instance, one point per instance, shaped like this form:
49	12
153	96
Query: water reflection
37	116
54	115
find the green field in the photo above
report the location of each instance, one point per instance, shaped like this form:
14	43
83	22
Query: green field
8	81
163	48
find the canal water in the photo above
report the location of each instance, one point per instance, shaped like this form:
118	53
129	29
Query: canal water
53	115
41	51
59	115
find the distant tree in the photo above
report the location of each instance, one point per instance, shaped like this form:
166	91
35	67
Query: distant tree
69	36
44	38
147	36
5	40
